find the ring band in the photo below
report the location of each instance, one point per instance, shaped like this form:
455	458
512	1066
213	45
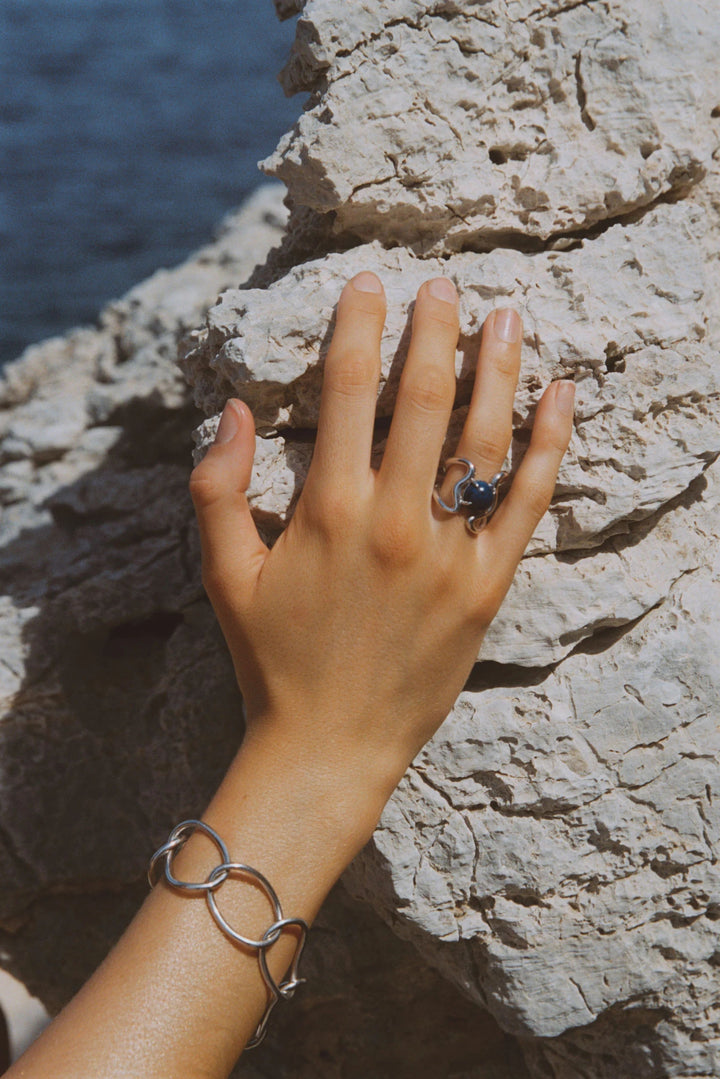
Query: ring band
475	499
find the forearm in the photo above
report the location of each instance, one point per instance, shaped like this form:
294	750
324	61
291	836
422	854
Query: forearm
176	996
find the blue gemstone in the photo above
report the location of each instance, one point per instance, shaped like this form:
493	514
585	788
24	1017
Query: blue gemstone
479	496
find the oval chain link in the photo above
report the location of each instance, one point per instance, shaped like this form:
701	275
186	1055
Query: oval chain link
161	867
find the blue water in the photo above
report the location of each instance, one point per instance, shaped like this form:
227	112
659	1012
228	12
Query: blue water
128	128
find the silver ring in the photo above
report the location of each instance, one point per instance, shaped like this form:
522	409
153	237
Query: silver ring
475	499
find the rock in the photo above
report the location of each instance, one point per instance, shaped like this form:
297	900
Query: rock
104	627
599	949
287	8
372	1007
599	761
110	654
586	310
623	315
626	309
444	126
556	602
552	849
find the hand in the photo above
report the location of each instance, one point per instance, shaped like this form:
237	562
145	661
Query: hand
352	637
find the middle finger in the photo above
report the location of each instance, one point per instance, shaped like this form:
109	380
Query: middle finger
425	397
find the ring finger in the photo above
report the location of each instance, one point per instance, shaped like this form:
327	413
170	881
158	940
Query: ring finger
487	433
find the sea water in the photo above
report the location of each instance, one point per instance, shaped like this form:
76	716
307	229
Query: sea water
128	128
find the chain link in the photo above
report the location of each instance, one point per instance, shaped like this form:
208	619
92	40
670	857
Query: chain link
161	867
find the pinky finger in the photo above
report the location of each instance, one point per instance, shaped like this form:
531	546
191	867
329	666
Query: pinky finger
512	527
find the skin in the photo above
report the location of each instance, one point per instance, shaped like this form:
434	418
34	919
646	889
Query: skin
351	639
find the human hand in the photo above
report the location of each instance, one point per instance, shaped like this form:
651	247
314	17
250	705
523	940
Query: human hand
352	637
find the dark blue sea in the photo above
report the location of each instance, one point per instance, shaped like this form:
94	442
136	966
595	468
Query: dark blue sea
128	128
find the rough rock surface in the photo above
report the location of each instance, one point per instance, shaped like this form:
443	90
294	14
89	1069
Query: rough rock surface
108	648
442	124
624	315
552	851
373	1008
109	657
558	836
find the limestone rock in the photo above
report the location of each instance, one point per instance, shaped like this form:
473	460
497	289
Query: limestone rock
372	1007
553	848
114	677
279	469
109	651
624	315
586	310
444	125
556	602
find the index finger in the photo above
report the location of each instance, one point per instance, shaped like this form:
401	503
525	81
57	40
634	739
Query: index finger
350	383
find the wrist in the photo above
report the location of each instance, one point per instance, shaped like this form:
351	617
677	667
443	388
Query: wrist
336	762
300	808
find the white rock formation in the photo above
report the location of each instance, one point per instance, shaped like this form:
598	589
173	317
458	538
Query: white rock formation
552	851
99	576
624	315
559	834
118	706
624	310
443	124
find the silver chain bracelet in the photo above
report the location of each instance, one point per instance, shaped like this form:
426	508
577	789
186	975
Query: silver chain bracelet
161	863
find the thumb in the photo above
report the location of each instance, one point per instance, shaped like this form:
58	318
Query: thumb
232	550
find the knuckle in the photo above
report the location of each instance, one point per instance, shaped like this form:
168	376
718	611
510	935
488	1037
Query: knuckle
448	320
370	305
330	513
350	373
205	487
505	362
432	392
492	447
438	312
396	540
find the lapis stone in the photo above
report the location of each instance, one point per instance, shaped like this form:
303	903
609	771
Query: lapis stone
479	496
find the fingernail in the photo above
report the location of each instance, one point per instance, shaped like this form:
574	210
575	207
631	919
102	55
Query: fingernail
366	282
229	425
565	397
507	325
442	288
